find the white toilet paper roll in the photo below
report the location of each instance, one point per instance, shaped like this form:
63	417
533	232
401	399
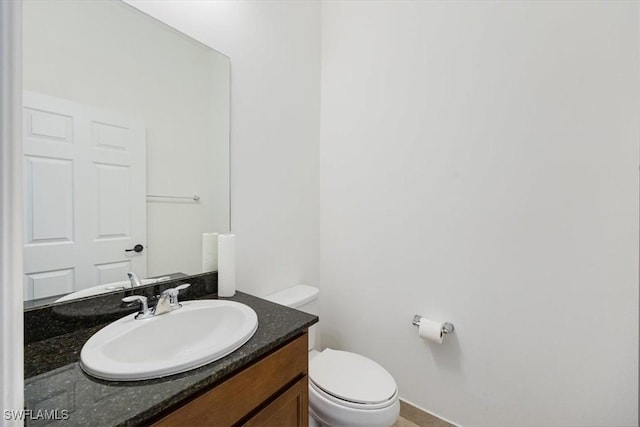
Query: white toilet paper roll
226	265
209	252
431	330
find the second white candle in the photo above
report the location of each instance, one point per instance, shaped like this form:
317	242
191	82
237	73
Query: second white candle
226	265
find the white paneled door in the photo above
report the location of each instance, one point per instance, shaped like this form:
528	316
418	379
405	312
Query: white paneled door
84	177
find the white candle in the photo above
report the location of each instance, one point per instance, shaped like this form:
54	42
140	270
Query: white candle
226	265
209	252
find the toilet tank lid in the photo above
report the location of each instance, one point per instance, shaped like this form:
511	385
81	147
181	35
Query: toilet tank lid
295	296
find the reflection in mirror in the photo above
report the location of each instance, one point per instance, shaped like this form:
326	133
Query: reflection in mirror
126	148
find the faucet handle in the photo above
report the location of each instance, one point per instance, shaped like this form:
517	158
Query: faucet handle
172	293
144	311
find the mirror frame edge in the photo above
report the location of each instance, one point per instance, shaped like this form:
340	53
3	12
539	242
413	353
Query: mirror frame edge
11	294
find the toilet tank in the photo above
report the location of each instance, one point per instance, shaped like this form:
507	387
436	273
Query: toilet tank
303	298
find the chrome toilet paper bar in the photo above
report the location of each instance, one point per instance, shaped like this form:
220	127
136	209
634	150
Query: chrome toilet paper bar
447	327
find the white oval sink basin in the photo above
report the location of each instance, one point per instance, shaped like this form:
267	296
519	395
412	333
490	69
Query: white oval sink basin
200	332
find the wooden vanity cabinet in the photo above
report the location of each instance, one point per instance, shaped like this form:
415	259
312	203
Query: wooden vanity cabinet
271	392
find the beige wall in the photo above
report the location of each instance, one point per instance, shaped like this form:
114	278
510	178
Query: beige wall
479	164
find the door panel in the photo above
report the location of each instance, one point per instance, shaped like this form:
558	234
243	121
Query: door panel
113	188
50	200
110	136
112	272
48	125
42	284
82	163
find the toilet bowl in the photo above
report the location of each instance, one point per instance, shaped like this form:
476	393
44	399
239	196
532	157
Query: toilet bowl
345	388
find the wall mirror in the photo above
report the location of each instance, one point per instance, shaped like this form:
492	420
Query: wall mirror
126	148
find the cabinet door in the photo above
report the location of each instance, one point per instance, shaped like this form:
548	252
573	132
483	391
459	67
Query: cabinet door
232	401
288	410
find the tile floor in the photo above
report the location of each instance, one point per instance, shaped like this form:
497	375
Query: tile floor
403	422
435	422
411	416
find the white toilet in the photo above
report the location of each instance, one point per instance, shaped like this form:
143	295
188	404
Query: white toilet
345	389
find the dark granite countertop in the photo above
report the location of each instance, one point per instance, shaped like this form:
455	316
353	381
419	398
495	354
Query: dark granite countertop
59	384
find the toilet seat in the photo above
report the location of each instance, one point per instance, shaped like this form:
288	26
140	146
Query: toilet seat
353	405
352	380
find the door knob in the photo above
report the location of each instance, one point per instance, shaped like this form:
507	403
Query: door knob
137	248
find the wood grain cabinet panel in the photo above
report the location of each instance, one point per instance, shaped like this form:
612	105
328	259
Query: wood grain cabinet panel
274	389
288	410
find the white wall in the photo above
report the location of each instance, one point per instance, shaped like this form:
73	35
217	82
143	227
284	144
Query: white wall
108	55
479	164
275	118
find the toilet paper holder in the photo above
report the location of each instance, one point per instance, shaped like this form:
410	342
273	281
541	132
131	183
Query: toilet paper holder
447	327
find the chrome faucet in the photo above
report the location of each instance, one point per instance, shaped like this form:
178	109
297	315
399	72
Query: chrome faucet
167	302
172	295
134	279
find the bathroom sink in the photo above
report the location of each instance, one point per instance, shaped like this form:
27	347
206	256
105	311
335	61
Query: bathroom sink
200	332
108	287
